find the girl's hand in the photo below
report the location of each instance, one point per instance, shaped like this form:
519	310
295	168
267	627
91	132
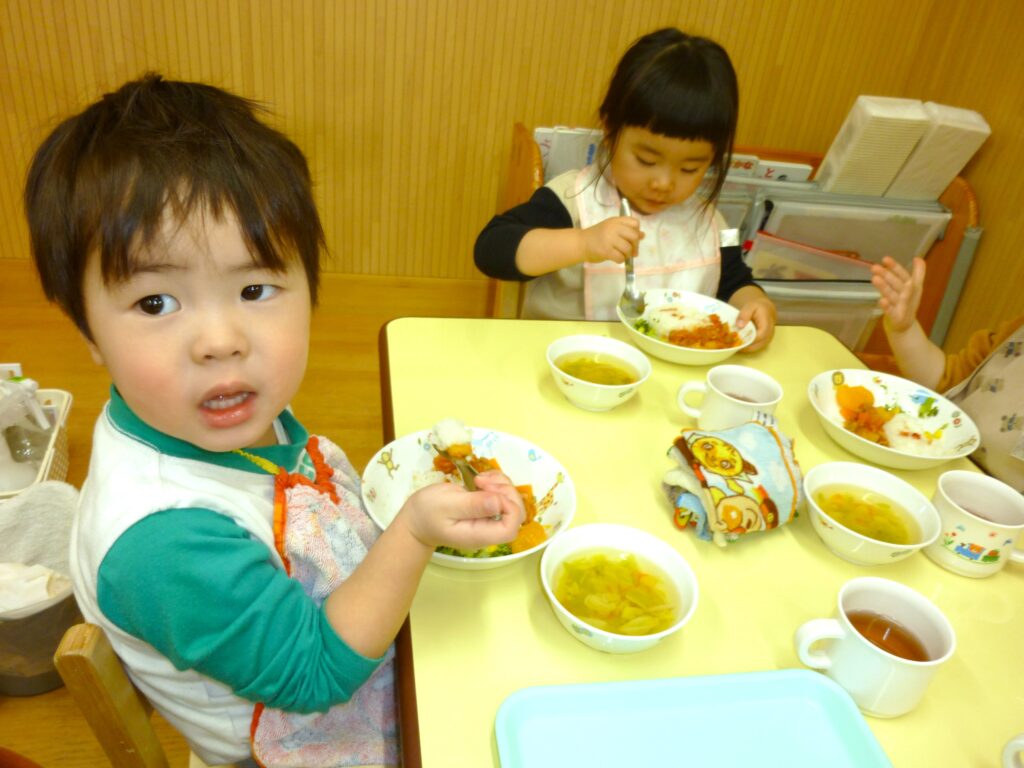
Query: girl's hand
900	291
448	514
612	240
759	310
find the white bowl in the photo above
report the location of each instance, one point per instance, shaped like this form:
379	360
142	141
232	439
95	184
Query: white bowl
855	547
406	464
923	410
706	305
622	538
586	394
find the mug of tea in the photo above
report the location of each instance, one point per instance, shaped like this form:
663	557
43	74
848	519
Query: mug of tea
732	394
1012	752
884	645
982	520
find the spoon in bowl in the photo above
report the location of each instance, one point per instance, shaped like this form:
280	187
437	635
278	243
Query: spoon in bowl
631	303
466	471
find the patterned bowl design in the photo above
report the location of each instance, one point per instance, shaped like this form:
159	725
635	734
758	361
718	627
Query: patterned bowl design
947	433
398	469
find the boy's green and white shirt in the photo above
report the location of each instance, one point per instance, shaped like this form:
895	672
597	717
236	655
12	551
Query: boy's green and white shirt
172	553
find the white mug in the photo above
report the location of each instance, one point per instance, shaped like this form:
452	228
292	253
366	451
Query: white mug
881	683
982	521
1011	752
733	394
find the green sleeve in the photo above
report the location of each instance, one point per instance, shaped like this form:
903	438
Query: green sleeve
201	590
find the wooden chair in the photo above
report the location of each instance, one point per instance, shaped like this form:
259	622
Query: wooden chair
117	712
523	175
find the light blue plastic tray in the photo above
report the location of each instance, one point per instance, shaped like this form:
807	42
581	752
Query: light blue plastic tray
786	718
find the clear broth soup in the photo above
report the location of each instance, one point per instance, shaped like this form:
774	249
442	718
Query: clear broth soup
868	513
598	368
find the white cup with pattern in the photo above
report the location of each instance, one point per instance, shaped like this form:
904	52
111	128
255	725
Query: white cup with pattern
982	522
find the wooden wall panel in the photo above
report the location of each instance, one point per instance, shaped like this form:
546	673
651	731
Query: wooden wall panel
405	107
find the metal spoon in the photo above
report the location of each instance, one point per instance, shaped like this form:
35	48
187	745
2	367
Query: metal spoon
631	303
465	469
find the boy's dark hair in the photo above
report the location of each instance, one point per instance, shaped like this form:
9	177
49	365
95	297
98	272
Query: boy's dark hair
104	179
676	85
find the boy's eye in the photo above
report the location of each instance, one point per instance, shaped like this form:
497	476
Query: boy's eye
644	161
258	292
158	304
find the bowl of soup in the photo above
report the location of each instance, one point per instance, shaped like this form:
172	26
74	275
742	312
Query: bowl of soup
866	515
617	588
597	373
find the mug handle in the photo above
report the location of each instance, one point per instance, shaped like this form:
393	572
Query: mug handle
684	390
809	634
1017	556
1011	752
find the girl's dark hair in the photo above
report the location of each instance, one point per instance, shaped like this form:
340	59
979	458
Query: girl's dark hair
676	85
105	178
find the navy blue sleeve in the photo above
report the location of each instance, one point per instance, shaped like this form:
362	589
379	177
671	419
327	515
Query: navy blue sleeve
201	590
496	246
735	272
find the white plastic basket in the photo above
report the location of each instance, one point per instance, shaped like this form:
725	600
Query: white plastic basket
56	405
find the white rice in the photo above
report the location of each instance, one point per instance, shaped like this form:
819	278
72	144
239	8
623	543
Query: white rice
666	318
423	479
451	432
918	446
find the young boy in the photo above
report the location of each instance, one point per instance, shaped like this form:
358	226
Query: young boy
223	549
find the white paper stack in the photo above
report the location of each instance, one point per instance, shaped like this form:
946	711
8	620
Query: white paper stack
872	145
952	138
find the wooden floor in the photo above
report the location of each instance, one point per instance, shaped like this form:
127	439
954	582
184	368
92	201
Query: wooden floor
340	398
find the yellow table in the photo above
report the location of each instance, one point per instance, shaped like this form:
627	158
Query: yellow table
475	637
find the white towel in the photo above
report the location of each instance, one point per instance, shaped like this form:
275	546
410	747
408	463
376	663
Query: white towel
35	525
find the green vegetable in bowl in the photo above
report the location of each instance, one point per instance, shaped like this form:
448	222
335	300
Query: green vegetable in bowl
495	550
644	327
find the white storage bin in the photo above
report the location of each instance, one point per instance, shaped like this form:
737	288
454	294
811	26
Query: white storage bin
773	258
848	311
870	232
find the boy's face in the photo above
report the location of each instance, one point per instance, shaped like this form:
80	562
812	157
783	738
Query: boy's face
202	344
655	172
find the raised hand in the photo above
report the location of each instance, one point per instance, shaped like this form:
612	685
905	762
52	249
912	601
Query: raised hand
900	291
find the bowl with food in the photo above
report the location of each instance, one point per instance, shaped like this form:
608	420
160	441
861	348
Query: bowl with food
451	452
616	588
688	328
597	373
866	515
890	421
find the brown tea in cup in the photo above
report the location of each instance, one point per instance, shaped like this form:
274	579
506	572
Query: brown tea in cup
888	635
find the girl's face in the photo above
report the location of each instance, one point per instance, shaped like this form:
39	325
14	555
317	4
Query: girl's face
655	172
201	343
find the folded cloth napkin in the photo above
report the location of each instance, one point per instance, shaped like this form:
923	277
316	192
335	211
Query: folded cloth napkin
733	481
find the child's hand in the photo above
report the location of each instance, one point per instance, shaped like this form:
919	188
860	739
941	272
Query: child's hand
900	291
612	240
448	514
759	310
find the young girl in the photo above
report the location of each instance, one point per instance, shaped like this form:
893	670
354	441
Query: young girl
983	378
222	548
669	115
